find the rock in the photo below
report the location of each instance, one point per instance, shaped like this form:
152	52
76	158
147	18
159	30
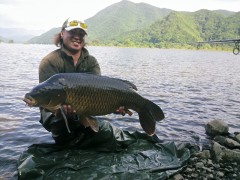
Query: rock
217	161
216	127
204	161
194	175
234	164
207	169
222	153
210	176
231	143
234	175
220	174
220	139
210	163
238	137
216	166
199	165
188	170
205	154
177	177
207	146
227	142
193	160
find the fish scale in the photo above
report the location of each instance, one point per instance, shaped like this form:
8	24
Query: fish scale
94	100
93	95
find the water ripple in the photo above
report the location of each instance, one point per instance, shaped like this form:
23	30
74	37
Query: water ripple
192	87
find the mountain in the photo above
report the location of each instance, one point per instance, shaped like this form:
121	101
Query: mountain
19	35
139	24
183	27
2	39
224	12
45	38
123	17
176	27
116	19
214	25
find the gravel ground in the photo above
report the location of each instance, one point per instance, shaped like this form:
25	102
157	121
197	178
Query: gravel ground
219	160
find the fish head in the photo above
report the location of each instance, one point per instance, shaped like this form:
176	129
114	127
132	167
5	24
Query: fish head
47	95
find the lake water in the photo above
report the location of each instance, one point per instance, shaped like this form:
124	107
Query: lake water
191	87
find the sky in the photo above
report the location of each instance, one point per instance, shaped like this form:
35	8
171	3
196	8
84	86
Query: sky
46	14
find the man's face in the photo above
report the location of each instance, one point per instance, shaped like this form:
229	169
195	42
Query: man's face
73	40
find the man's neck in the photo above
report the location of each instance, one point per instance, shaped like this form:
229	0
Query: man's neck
74	54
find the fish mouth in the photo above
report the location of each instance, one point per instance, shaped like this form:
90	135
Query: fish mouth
29	100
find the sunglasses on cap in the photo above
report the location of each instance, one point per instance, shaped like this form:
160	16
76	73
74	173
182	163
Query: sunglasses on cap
76	23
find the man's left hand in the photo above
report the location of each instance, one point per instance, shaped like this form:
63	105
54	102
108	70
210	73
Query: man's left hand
121	110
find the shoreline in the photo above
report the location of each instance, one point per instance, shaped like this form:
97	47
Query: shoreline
217	160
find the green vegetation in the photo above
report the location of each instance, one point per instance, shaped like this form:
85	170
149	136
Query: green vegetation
46	38
179	28
123	17
142	25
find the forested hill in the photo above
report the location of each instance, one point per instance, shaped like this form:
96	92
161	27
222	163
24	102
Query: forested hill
139	24
123	17
181	27
114	20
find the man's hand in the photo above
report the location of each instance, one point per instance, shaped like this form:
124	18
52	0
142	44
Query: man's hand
68	110
121	110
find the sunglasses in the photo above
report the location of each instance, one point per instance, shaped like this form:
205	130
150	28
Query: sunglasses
77	23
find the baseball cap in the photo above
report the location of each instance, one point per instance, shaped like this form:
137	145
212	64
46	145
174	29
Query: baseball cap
71	23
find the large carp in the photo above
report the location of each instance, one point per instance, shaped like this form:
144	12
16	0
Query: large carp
93	95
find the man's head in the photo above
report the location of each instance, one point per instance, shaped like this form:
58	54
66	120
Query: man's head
71	24
72	34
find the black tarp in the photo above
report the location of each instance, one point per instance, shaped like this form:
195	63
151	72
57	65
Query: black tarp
125	156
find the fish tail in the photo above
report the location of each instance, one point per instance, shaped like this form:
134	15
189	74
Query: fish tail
148	115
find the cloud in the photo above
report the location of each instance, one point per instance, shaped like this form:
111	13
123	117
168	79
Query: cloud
46	14
7	2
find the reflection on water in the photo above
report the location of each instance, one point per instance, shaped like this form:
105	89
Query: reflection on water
192	87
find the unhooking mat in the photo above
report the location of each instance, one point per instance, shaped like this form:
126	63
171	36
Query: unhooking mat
133	156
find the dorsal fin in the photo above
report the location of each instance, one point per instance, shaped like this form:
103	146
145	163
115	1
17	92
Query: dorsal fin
133	86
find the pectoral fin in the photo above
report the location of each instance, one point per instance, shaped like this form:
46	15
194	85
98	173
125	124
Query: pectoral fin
90	122
128	112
